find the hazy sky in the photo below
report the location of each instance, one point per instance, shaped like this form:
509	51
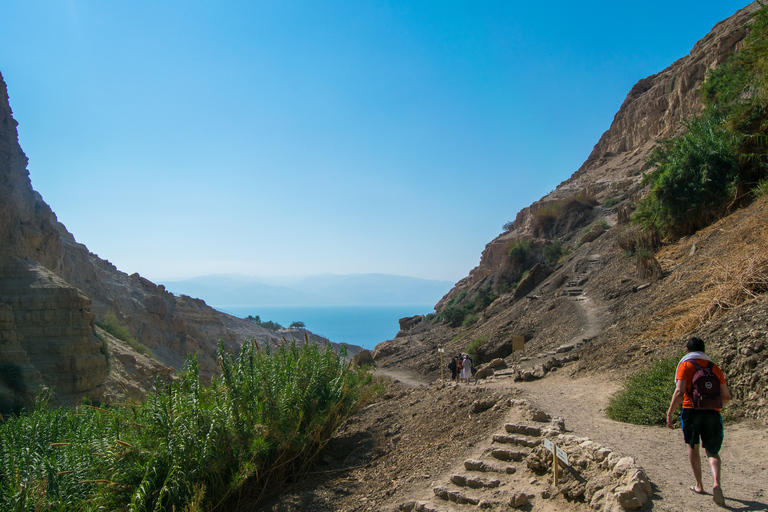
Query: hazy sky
297	137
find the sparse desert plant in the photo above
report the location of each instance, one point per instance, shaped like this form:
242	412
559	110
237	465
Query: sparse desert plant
476	344
644	399
727	285
554	252
119	330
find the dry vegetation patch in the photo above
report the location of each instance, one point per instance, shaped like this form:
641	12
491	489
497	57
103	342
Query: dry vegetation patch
725	266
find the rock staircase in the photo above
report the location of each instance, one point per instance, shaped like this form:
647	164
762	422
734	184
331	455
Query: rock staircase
514	471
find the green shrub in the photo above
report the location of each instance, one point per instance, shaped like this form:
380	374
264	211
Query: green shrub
700	175
645	398
696	176
455	314
611	202
519	249
269	324
554	252
470	319
476	344
188	446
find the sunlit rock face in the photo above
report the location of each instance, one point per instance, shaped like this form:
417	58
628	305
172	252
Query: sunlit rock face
49	331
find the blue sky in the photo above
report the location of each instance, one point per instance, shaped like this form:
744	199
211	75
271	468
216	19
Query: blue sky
178	139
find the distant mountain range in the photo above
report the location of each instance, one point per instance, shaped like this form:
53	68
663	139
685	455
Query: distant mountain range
222	290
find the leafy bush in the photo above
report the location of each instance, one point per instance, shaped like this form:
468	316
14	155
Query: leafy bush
645	398
554	252
611	202
470	319
188	446
519	249
455	314
476	344
269	324
696	176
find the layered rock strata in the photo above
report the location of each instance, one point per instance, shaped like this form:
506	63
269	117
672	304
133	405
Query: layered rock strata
51	335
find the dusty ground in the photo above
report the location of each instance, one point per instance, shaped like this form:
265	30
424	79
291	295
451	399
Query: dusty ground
400	448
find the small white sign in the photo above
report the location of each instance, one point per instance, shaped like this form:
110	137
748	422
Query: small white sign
440	350
549	445
561	455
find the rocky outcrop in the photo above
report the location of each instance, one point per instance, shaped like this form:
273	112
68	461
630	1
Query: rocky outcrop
53	326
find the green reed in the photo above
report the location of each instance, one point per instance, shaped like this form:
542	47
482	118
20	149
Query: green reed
187	446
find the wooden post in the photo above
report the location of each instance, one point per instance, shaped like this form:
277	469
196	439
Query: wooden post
555	464
442	379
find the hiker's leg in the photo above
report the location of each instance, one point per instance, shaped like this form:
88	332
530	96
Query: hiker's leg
714	465
695	458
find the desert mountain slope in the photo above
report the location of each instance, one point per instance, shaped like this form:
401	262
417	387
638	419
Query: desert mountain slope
610	311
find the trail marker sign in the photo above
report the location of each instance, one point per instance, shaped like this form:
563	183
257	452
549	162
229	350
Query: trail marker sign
557	453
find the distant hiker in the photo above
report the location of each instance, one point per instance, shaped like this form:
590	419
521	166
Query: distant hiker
454	367
466	368
459	367
700	386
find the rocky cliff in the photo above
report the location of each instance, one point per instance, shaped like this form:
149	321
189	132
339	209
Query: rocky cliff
653	110
53	291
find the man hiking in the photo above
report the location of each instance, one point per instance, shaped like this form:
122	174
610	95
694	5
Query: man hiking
700	386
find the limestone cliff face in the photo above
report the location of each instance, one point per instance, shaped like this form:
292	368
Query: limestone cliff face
653	110
27	225
52	288
53	327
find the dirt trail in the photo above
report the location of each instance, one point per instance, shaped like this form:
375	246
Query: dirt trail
661	451
581	403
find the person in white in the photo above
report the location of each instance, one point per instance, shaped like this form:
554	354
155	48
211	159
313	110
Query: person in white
466	371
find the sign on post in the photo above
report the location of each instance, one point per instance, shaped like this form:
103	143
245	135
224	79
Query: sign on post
561	455
557	453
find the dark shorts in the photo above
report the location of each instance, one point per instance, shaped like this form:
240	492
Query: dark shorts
703	427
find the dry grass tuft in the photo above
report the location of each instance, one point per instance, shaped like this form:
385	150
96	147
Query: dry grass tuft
728	284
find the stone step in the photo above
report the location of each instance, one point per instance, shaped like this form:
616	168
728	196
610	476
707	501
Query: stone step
484	467
455	496
517	428
508	455
474	482
520	441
